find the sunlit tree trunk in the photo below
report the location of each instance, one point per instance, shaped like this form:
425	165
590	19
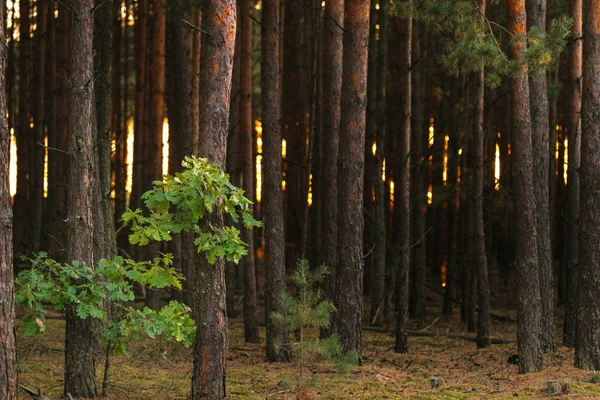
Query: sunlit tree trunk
8	353
529	309
349	272
219	18
587	345
572	207
81	334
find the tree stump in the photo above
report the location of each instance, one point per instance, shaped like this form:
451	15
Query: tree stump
553	387
435	382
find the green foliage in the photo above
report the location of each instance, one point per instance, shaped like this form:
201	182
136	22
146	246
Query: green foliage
305	313
87	289
178	203
471	41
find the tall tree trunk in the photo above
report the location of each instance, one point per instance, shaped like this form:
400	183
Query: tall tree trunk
219	18
272	167
379	251
332	90
418	192
104	235
22	198
479	253
37	171
50	91
294	128
529	309
8	349
370	158
81	334
572	207
538	86
141	81
349	271
403	166
587	347
247	159
119	115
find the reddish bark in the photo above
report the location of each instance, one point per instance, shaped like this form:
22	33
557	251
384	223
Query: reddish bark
219	18
349	271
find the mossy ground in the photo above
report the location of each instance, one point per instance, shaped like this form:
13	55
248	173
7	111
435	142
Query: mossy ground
155	369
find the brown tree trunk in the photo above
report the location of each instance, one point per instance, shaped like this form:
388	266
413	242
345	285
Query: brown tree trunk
479	252
8	350
141	81
58	138
403	185
247	161
332	89
587	348
104	228
39	118
119	117
538	101
81	334
272	167
349	272
379	252
572	207
294	128
529	309
22	217
219	18
418	191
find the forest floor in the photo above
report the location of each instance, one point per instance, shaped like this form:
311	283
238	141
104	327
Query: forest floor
162	370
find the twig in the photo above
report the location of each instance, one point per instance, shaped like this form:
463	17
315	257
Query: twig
53	148
97	6
194	27
420	239
429	326
255	20
336	22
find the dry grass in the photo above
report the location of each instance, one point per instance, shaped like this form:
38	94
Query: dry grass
160	370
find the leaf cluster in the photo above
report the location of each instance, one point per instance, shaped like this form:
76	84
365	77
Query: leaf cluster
179	202
87	289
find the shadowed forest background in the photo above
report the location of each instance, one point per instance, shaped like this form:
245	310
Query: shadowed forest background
299	199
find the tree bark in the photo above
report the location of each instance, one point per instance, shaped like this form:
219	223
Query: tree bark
81	334
349	271
379	231
529	309
247	159
39	118
332	91
8	350
538	100
479	252
219	18
572	207
22	217
272	167
403	183
104	234
587	347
